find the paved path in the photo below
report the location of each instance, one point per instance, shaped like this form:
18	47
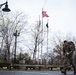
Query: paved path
34	73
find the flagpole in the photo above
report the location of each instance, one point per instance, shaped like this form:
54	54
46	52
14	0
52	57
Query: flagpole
44	14
38	42
47	40
42	39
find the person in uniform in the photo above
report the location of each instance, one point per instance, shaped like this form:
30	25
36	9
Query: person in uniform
68	49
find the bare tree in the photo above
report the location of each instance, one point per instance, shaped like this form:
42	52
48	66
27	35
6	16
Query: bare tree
35	39
9	23
36	35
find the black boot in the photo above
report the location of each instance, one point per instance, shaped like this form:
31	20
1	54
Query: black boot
63	71
74	72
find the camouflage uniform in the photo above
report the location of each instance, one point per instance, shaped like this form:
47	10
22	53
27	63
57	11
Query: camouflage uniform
68	47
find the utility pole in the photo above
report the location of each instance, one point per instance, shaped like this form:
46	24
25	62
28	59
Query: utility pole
15	34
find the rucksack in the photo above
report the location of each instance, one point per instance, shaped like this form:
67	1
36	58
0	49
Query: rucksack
71	45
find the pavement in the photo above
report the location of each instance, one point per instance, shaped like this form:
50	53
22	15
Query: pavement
34	73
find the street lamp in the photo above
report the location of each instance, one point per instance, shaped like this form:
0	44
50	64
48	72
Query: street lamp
15	34
6	9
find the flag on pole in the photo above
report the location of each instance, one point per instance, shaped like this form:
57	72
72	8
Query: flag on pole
44	14
47	25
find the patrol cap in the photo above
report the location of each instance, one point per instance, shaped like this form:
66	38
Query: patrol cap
65	41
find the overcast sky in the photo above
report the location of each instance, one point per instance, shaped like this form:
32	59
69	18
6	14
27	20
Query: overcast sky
62	13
